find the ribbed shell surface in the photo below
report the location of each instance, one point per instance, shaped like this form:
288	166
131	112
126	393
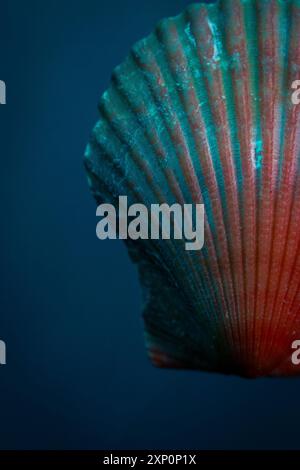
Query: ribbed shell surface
200	112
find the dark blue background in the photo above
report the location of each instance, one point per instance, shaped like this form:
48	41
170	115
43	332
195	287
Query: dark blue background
77	373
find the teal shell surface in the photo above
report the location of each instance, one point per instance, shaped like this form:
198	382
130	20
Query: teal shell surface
200	112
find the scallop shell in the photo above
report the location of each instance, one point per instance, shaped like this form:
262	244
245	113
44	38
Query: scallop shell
201	112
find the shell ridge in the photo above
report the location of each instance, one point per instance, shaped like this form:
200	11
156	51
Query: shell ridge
167	126
200	112
284	206
191	142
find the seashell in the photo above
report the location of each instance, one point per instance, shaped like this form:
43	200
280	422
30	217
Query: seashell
201	112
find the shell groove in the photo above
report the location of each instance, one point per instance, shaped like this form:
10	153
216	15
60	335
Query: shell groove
201	112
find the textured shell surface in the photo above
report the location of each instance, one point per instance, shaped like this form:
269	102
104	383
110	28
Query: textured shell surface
200	112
